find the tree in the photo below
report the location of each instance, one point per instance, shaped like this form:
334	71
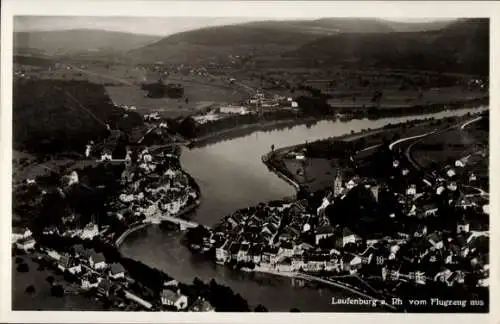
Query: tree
260	309
30	289
57	291
50	280
23	267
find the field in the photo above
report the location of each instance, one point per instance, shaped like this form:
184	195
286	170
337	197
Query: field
356	89
318	173
123	86
404	98
446	147
469	144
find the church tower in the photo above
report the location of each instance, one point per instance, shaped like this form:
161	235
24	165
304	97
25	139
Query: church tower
337	183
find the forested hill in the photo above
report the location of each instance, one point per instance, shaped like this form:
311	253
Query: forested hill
62	116
462	47
73	41
260	38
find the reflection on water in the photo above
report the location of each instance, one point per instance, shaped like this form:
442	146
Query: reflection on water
231	176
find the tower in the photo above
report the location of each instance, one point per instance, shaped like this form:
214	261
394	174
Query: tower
259	97
337	183
375	190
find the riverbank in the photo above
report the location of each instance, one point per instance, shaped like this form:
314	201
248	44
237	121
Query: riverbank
342	114
232	176
241	130
332	283
288	168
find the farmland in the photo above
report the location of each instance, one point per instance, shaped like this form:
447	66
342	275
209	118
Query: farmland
451	145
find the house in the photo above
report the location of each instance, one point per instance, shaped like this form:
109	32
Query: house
242	255
104	287
255	253
350	262
321	209
411	190
393	274
233	110
483	282
285	265
50	230
450	172
301	248
176	299
201	305
90	281
222	251
26	244
68	263
444	276
346	237
286	249
117	271
430	209
106	155
231	221
297	263
20	233
439	190
420	277
435	240
463	226
420	231
234	250
472	177
89	231
452	186
459	164
97	261
270	255
54	254
351	184
323	232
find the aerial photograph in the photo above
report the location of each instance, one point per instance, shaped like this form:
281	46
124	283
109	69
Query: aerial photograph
236	164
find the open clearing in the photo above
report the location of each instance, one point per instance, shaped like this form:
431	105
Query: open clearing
196	97
42	299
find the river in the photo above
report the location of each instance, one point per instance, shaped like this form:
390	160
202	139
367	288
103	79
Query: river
231	176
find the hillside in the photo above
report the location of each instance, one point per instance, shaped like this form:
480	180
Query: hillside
78	40
60	116
262	38
462	46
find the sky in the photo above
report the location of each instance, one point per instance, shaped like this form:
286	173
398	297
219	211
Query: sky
161	26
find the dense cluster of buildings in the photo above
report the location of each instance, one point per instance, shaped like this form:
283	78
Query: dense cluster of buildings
293	237
154	185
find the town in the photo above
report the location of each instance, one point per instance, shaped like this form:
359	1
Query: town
427	235
274	166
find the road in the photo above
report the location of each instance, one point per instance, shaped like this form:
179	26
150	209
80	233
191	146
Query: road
401	140
105	76
417	138
470	122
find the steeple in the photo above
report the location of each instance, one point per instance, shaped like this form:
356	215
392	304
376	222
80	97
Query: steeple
337	183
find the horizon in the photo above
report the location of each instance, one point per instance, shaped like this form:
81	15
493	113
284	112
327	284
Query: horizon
161	26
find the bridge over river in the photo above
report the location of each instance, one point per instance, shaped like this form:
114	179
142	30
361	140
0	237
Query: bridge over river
183	225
